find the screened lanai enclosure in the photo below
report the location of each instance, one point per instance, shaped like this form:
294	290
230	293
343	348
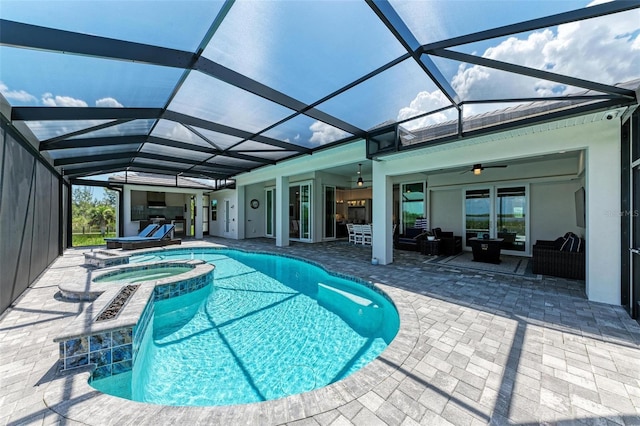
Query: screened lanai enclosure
216	89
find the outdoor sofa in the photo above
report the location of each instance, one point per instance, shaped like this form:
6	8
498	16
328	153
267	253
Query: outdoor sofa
550	259
410	240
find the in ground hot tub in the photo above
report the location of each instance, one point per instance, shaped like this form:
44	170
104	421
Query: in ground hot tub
134	274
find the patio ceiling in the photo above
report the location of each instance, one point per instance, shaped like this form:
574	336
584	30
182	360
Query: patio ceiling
214	89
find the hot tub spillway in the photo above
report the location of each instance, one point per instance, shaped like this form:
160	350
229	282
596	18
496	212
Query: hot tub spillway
113	308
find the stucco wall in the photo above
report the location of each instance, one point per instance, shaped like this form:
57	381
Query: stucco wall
553	211
445	208
29	218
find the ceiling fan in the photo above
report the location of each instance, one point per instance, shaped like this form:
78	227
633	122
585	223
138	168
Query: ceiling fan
478	168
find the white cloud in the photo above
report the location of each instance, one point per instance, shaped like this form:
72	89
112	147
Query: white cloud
63	101
596	49
324	133
16	95
603	49
108	103
425	102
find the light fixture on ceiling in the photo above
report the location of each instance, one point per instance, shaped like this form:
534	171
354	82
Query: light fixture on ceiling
360	181
478	168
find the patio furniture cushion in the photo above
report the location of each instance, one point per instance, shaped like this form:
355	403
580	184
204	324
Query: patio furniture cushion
572	243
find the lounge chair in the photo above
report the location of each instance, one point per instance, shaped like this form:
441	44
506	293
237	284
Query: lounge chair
113	243
161	237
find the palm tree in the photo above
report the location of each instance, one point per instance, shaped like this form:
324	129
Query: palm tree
102	215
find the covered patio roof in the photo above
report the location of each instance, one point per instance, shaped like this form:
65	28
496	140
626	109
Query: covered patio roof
215	89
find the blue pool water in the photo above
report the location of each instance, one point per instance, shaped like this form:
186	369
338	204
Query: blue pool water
267	327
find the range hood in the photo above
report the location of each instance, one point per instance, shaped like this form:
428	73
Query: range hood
155	199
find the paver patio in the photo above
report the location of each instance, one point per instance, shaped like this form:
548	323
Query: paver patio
473	348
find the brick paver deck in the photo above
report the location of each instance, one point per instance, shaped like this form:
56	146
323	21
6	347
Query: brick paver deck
474	348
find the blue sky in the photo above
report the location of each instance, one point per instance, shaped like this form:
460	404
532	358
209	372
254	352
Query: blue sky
307	49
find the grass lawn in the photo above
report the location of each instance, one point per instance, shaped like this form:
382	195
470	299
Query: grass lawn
80	240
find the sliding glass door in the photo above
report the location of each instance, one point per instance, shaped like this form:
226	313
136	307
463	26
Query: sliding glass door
270	213
300	212
477	213
511	226
499	212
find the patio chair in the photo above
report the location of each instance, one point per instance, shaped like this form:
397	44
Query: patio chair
113	243
357	234
294	229
351	233
449	244
367	235
161	237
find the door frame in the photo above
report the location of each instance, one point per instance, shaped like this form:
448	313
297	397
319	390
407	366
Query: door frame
493	214
206	220
226	226
324	212
630	216
401	187
310	218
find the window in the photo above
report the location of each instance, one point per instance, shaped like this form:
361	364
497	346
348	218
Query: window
214	209
412	203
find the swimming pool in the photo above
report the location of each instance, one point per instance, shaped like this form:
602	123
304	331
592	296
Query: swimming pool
267	327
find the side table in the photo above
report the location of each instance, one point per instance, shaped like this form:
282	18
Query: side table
431	248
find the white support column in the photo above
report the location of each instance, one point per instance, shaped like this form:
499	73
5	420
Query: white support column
241	209
187	214
282	211
603	220
198	216
382	193
126	210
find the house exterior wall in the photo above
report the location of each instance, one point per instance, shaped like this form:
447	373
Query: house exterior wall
29	217
600	141
552	185
553	211
445	208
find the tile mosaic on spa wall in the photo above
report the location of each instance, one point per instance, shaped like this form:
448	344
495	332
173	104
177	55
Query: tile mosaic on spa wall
111	352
